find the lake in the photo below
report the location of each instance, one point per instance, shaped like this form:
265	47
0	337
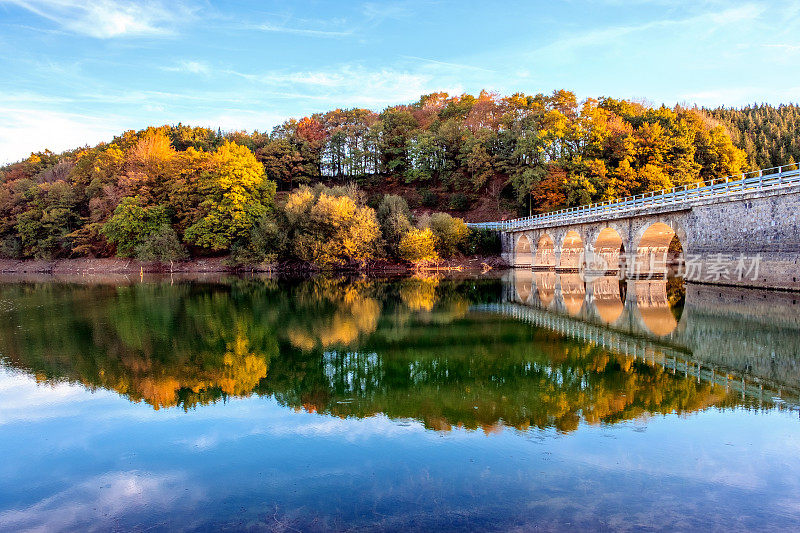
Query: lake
516	400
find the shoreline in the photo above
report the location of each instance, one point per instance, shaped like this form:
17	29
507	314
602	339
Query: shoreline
217	265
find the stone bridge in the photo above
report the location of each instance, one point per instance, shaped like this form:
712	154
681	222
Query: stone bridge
741	230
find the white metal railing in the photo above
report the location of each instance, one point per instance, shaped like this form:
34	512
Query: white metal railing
769	178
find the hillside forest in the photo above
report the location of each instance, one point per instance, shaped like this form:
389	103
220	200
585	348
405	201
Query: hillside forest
350	186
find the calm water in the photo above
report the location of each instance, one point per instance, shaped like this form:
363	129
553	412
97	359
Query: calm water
513	402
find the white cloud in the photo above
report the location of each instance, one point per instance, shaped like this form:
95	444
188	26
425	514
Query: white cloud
104	19
26	400
99	502
240	100
26	129
351	85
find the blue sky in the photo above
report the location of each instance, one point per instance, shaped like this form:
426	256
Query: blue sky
76	72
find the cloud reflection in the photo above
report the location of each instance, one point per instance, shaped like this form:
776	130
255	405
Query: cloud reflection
98	503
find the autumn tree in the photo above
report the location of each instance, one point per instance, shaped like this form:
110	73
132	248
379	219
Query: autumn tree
449	232
418	246
234	193
330	230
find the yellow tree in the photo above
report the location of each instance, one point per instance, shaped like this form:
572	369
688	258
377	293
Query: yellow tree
338	231
235	193
418	246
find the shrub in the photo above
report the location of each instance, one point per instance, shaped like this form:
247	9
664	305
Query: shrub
394	217
428	198
451	233
265	243
418	246
10	248
163	246
482	242
460	202
392	203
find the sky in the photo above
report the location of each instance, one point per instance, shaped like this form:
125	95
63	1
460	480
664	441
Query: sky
77	72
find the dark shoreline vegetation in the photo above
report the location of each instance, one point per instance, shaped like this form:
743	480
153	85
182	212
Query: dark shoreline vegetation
354	188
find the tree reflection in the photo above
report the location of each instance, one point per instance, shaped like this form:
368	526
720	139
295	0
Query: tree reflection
408	349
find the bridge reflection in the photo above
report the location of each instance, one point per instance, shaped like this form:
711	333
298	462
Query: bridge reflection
740	338
648	307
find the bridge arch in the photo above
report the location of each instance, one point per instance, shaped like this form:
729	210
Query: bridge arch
656	306
658	246
572	290
545	252
522	251
609	250
608	298
572	254
523	285
545	287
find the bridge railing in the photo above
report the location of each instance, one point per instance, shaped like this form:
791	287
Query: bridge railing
770	178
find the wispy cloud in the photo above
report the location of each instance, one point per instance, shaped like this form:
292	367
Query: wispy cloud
104	19
192	67
742	95
783	47
100	502
308	32
448	64
349	84
375	12
700	24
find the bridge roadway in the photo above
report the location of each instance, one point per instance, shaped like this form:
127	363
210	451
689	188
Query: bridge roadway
740	230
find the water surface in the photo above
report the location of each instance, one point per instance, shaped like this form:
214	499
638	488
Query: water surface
521	401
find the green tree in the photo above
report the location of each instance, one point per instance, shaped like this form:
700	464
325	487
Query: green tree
163	246
395	220
132	223
43	227
450	233
398	126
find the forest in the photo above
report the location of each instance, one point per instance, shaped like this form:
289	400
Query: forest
354	185
769	136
